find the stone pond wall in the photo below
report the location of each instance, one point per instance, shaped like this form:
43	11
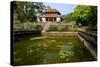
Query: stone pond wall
59	33
90	42
19	35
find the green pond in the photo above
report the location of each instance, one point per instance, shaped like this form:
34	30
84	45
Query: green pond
48	50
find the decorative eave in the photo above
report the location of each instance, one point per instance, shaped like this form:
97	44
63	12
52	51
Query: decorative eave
50	15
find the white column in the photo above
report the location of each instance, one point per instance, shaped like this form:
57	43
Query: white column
43	19
58	19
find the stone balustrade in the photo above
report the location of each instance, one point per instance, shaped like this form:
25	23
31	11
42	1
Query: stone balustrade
90	37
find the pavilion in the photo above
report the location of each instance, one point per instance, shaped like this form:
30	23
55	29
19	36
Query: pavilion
51	15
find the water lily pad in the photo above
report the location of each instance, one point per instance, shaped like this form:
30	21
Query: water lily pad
63	54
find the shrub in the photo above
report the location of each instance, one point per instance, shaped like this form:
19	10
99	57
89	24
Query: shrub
53	28
27	26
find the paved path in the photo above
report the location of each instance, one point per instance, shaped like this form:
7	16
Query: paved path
46	26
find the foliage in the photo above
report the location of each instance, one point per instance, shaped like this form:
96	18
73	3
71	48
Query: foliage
60	28
53	28
68	17
27	26
85	15
26	11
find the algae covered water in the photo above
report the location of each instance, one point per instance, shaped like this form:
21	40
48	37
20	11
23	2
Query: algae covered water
48	50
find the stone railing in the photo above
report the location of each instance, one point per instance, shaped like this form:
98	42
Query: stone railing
90	37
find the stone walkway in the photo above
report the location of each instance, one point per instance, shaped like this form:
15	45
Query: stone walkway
46	26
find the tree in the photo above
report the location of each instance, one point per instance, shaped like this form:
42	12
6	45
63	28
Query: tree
85	15
68	17
27	11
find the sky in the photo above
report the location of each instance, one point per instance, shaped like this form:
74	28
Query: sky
62	8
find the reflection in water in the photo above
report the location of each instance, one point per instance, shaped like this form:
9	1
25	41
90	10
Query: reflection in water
42	50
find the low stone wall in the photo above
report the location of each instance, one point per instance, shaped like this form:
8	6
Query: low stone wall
19	35
90	42
91	38
59	33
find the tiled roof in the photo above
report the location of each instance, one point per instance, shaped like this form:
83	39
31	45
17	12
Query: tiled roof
51	10
51	15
